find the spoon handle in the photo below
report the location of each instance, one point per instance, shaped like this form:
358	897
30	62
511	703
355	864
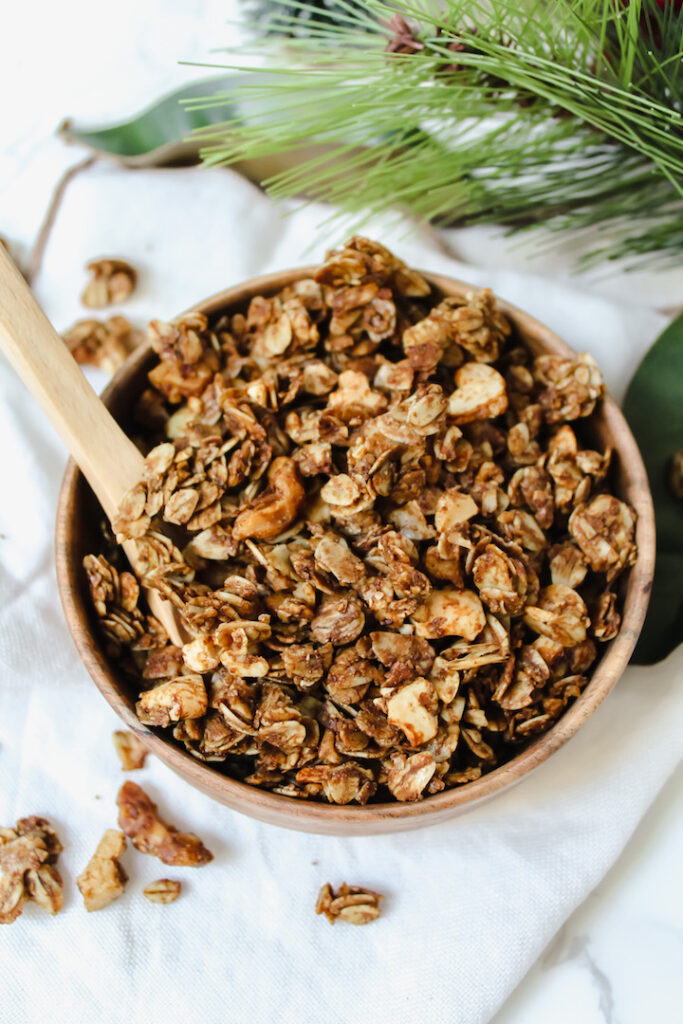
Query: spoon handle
108	459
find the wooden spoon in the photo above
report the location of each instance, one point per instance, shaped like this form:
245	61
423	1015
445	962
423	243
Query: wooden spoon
108	459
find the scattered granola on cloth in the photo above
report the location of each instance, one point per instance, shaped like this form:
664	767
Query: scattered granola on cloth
139	819
112	281
28	858
105	344
164	890
104	879
350	903
131	750
394	549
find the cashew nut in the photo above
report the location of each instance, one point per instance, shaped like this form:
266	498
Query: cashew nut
275	509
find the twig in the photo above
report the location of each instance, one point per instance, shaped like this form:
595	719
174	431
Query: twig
35	260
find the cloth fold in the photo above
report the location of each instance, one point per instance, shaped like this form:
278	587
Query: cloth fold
469	905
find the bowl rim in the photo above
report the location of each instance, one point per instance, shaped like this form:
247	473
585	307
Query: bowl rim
321	817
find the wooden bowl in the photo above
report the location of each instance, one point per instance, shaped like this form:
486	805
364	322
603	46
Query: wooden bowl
78	516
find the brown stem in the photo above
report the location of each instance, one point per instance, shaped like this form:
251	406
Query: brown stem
35	260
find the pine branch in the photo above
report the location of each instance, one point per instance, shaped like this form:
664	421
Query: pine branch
567	113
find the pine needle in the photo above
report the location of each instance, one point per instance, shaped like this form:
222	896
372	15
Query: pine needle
562	112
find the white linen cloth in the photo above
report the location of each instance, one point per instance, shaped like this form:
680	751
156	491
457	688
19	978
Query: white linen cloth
469	905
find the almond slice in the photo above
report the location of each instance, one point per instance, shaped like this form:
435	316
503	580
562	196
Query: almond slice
450	613
480	394
409	709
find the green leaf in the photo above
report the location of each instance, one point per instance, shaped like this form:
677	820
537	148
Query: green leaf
166	132
174	128
160	133
654	409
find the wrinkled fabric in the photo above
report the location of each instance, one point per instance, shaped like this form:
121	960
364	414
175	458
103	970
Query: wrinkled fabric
469	904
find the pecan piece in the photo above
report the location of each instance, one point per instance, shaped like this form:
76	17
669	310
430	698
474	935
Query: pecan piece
105	344
139	819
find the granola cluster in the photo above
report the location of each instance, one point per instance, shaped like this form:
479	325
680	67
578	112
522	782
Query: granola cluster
111	282
105	344
350	903
373	510
28	858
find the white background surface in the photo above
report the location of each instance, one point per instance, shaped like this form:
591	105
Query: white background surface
618	957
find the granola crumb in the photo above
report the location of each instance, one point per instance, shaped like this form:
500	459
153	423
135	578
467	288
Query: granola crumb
164	890
131	750
350	903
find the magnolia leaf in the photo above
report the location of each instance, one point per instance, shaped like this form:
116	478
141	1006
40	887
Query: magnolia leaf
167	132
178	129
160	133
654	409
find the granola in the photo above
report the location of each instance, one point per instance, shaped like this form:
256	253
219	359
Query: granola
131	750
104	879
350	903
392	549
105	344
28	858
112	281
139	820
164	890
